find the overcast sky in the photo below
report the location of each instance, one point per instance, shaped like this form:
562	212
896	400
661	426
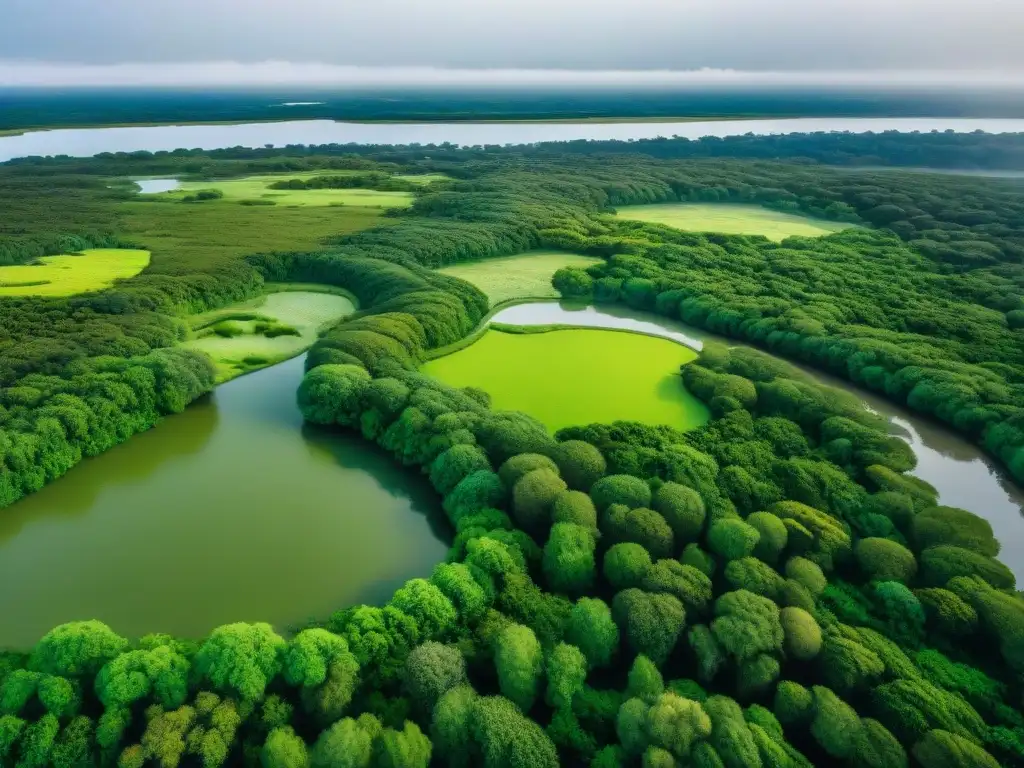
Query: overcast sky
775	35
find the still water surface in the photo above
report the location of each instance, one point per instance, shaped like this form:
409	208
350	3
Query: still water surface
230	511
963	474
83	142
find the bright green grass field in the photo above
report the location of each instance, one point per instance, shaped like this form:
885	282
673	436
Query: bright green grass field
68	274
526	275
306	311
731	219
573	377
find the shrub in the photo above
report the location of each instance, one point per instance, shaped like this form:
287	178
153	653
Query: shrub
651	623
569	558
802	634
228	329
533	496
942	749
575	507
455	465
947	612
683	510
753	575
942	563
580	463
592	629
773	536
794	704
519	661
885	560
731	538
641	526
696	557
620	489
747	625
936	526
836	725
518	466
691	586
625	565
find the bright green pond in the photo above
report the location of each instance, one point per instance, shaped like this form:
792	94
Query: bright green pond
230	511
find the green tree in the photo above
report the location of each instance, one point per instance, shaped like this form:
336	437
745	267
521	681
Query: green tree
431	670
78	649
885	560
567	671
284	749
651	623
569	558
240	659
580	463
533	497
519	660
346	744
627	490
592	629
407	748
731	538
683	510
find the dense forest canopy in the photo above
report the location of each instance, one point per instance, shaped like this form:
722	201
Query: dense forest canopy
771	589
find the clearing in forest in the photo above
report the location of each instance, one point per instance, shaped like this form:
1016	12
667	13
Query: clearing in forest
732	219
523	276
575	376
259	332
65	275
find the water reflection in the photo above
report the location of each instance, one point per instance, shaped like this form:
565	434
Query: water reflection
961	472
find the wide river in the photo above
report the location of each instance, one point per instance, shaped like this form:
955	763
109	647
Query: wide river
84	142
963	474
230	511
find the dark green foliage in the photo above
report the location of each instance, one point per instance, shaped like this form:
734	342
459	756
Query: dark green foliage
641	526
942	749
431	670
793	704
936	526
330	394
455	465
533	497
580	463
947	612
626	565
753	575
876	747
575	507
942	563
651	623
885	560
747	625
518	466
835	725
697	558
691	586
910	708
773	536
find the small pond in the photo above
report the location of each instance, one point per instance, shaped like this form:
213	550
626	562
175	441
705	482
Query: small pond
156	186
230	511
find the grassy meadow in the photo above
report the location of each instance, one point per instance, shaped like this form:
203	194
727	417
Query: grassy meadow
69	274
525	275
265	330
731	219
625	376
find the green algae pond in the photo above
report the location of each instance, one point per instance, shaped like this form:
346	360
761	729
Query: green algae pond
230	511
578	376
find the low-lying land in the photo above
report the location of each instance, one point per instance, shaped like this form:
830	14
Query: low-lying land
731	219
523	276
260	332
577	376
256	190
66	275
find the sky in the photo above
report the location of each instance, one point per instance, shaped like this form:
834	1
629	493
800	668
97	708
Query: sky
59	40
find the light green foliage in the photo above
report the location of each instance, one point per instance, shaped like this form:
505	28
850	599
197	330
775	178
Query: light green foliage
644	681
730	735
625	565
74	745
241	659
165	734
346	744
773	536
794	704
691	586
567	671
330	394
831	540
942	749
456	581
877	748
452	726
534	495
732	538
694	556
92	269
705	756
538	373
794	594
455	465
407	748
58	696
17	690
575	507
747	625
675	724
710	655
284	749
937	526
569	558
942	563
519	661
642	526
580	464
683	509
520	465
508	739
431	670
975	686
755	576
802	634
592	629
656	757
80	648
885	560
651	623
11	728
627	490
135	675
836	725
427	605
910	708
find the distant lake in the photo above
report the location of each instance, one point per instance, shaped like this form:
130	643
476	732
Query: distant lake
83	142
